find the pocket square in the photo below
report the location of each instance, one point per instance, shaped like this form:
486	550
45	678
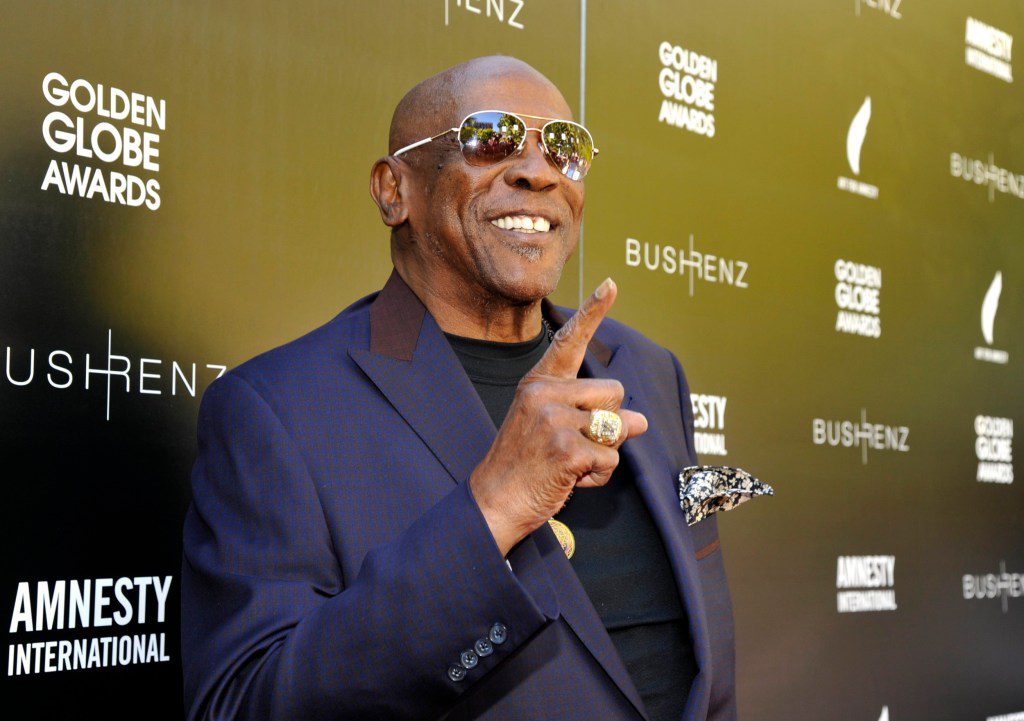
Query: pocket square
704	490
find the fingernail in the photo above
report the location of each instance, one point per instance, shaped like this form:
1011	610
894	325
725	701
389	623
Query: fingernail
603	288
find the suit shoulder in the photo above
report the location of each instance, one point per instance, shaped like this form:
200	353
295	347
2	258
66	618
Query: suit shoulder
613	333
310	355
619	332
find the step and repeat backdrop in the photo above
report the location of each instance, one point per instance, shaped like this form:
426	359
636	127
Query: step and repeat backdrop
818	205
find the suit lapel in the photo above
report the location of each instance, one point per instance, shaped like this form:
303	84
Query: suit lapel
645	456
434	396
413	365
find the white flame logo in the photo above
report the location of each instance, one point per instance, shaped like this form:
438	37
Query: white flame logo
885	714
990	305
855	136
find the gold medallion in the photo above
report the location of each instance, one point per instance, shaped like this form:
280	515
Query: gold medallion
564	536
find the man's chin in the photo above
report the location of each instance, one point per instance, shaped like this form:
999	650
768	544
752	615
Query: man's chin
528	285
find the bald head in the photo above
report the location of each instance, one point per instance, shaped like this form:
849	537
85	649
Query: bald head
440	101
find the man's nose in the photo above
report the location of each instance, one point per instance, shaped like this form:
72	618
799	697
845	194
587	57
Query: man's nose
531	169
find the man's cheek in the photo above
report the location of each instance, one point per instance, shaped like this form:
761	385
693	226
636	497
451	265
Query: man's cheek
578	207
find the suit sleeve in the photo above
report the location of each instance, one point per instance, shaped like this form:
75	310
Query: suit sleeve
273	628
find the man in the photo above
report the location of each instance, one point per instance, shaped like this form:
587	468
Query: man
369	534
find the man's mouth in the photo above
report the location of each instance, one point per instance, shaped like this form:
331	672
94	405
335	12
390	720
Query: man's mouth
523	223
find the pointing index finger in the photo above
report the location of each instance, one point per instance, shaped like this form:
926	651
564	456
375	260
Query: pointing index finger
569	345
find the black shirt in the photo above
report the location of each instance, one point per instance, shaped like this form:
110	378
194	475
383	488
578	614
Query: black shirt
619	558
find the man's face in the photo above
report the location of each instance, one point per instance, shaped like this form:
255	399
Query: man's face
456	214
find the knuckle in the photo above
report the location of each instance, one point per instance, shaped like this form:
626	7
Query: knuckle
530	392
548	414
607	457
616	388
563	333
563	443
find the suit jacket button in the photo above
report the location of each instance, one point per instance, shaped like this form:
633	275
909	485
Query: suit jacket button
456	672
468	659
483	647
498	634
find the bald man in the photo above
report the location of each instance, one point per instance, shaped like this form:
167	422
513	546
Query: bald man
456	499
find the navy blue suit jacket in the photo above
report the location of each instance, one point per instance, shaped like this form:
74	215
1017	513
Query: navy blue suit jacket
335	563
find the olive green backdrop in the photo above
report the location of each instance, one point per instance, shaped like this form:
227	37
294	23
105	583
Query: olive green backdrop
265	229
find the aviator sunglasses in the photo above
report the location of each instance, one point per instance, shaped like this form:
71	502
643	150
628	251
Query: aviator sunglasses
489	136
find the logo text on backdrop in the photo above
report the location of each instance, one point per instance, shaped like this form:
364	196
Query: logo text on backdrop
67	605
989	309
988	49
986	172
886	7
994	449
687	81
854	434
502	11
709	424
154	378
1002	585
858	289
113	139
671	260
855	136
865	583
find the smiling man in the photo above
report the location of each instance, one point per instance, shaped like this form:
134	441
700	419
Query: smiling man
384	523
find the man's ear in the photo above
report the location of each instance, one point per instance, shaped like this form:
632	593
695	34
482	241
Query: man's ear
387	188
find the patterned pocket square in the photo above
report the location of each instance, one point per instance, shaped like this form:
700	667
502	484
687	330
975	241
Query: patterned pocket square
704	490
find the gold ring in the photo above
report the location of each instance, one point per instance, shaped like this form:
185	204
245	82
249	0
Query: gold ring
605	427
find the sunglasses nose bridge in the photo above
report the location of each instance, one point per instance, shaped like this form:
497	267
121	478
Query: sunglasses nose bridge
541	145
535	175
526	137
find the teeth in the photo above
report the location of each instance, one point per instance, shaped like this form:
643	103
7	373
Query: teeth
523	223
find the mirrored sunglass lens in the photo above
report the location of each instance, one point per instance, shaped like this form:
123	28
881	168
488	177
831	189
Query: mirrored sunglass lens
490	137
570	146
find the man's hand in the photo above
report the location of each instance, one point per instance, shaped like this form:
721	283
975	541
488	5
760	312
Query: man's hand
541	453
